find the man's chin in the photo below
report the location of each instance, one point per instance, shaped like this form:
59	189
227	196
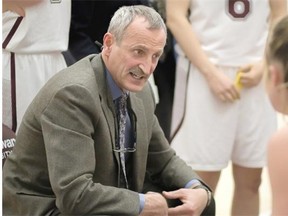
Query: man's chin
133	88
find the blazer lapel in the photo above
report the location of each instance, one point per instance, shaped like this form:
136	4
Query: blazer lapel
106	103
140	155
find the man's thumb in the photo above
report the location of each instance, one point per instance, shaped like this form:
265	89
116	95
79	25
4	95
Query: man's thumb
170	194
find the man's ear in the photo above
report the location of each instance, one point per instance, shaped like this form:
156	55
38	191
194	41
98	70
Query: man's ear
108	40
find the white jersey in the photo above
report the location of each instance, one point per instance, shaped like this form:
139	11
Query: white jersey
207	132
45	28
37	44
217	23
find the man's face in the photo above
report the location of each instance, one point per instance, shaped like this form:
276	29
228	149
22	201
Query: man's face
133	60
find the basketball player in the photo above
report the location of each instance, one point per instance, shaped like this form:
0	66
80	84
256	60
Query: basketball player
34	35
223	122
278	93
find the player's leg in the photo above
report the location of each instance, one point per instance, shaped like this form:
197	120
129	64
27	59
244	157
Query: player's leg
255	125
246	192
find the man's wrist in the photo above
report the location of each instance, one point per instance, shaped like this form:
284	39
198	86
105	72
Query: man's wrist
142	202
209	194
193	183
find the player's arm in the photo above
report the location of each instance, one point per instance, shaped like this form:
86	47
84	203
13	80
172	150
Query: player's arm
278	10
18	6
253	73
178	23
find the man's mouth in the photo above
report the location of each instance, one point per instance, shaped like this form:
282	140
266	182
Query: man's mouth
136	76
137	73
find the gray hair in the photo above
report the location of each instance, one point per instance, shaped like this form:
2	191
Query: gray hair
123	17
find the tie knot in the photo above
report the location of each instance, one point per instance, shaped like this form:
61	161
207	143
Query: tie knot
123	98
122	101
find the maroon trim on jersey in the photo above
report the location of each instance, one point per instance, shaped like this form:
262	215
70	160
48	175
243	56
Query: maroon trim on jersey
13	72
12	32
13	92
172	136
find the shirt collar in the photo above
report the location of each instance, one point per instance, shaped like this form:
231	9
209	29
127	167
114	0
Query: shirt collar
115	90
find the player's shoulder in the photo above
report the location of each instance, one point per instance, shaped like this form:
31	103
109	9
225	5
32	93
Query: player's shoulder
279	140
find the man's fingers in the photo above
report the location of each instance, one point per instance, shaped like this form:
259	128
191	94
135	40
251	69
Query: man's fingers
171	194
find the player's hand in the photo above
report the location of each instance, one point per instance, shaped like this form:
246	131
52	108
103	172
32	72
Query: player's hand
14	8
155	204
194	201
251	75
222	86
18	6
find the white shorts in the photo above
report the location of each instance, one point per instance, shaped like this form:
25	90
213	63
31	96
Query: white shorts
32	72
213	133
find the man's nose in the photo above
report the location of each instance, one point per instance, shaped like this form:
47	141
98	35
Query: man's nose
147	67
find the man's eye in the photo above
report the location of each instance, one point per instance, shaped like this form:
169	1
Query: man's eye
139	52
156	56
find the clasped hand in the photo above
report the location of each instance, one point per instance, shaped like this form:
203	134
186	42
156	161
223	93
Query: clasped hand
193	202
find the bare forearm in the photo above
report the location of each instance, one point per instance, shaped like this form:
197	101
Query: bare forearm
182	31
278	10
18	6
